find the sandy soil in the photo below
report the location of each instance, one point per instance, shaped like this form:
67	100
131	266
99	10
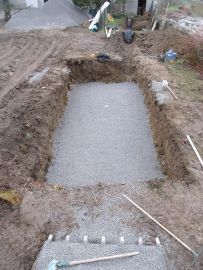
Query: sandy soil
29	112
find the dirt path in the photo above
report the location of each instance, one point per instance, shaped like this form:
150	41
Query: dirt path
25	52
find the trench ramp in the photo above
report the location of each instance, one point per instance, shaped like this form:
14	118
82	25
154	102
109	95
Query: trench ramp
150	257
53	14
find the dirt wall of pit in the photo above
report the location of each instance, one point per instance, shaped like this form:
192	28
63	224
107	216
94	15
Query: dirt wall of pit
28	151
140	69
165	133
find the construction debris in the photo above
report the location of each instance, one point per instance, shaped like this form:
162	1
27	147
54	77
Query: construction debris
11	196
98	15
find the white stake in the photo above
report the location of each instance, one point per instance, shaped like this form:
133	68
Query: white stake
195	150
143	211
167	9
154	25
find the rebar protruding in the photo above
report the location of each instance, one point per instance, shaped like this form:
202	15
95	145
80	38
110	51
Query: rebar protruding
50	238
85	239
103	240
158	242
67	239
140	241
122	241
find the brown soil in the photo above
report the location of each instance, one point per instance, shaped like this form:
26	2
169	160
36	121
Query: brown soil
29	113
156	42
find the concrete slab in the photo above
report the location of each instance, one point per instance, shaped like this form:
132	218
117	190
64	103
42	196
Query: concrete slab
150	257
104	136
53	14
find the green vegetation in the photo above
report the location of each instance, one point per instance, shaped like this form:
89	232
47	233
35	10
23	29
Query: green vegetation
87	3
190	80
117	21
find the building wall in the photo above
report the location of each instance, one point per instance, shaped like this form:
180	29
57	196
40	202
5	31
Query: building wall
132	5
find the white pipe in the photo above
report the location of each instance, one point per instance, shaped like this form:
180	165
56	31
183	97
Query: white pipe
195	150
143	211
98	15
125	255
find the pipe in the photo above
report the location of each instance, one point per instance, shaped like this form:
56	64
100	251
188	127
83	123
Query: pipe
98	15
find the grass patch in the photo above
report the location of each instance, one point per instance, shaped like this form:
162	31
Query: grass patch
197	9
189	80
174	7
117	21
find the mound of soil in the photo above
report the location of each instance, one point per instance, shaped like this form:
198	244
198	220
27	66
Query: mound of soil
161	40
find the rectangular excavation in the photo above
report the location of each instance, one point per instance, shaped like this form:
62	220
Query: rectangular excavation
104	136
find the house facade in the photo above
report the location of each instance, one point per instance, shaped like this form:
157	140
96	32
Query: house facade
27	3
138	7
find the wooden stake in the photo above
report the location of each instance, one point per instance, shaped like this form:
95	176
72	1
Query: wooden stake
124	255
165	84
154	25
172	92
164	228
195	150
167	9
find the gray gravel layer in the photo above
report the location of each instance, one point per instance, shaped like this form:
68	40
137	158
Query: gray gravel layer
150	257
53	14
104	136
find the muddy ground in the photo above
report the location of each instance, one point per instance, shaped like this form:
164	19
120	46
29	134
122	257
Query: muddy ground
30	108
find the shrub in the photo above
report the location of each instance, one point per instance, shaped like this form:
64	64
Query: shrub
193	48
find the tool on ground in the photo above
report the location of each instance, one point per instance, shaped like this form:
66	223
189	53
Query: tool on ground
164	228
165	85
54	263
195	150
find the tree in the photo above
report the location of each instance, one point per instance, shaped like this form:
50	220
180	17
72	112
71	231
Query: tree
7	9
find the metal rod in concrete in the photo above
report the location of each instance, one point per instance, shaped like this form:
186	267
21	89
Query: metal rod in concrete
195	150
124	255
164	228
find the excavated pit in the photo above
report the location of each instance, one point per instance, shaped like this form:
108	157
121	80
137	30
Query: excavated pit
104	134
84	70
